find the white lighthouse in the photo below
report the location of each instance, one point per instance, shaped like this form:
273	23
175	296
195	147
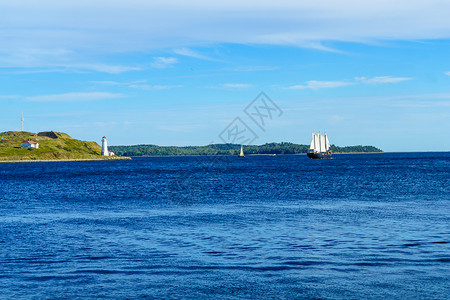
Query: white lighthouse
104	147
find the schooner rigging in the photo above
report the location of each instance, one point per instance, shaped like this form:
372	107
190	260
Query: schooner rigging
320	146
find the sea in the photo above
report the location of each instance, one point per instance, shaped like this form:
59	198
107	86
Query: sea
358	226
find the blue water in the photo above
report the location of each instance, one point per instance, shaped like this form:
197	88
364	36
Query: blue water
355	227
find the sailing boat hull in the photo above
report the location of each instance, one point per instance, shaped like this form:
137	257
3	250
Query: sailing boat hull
317	155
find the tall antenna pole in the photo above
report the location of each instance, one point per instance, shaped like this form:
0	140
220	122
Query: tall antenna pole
22	121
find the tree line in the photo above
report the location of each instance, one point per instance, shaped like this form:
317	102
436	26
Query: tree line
231	149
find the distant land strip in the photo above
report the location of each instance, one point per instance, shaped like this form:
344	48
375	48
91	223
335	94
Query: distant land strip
231	149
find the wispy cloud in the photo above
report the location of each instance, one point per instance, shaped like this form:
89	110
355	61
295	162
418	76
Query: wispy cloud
191	53
104	68
163	62
9	96
138	84
105	124
382	79
70	97
447	73
236	85
180	128
37	71
66	67
419	100
314	85
424	97
335	119
117	83
144	26
30	60
255	68
154	87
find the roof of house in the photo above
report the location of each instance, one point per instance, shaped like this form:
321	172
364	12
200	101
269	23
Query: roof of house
29	142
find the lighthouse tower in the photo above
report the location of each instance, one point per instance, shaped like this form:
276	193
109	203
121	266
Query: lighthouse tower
104	147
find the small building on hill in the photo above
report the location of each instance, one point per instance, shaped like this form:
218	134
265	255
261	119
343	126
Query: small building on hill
29	144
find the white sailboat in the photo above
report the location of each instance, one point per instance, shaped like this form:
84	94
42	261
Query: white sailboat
242	152
320	146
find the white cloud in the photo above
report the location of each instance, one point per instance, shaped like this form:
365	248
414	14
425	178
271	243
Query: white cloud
37	71
107	82
447	73
117	83
180	128
74	33
255	68
382	79
69	97
236	85
314	85
426	97
137	84
163	62
9	96
111	69
105	124
335	119
191	53
32	60
154	87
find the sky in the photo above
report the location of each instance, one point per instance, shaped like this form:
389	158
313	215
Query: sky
190	72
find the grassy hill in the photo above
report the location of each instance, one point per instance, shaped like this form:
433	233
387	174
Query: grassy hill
54	146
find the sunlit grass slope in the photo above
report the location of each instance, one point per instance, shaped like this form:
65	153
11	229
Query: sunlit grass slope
61	146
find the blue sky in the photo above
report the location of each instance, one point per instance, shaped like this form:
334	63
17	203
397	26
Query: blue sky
178	72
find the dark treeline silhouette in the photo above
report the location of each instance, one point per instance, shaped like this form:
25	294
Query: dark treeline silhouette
230	149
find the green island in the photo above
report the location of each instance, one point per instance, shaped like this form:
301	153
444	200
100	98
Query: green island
52	146
231	149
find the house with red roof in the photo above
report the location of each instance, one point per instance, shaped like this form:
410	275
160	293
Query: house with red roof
29	144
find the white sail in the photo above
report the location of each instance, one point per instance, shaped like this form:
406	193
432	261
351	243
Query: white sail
316	142
327	142
322	144
311	147
242	152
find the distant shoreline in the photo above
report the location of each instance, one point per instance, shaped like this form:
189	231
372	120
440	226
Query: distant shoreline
233	155
232	149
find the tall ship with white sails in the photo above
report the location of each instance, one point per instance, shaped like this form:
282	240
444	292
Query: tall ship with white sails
319	147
